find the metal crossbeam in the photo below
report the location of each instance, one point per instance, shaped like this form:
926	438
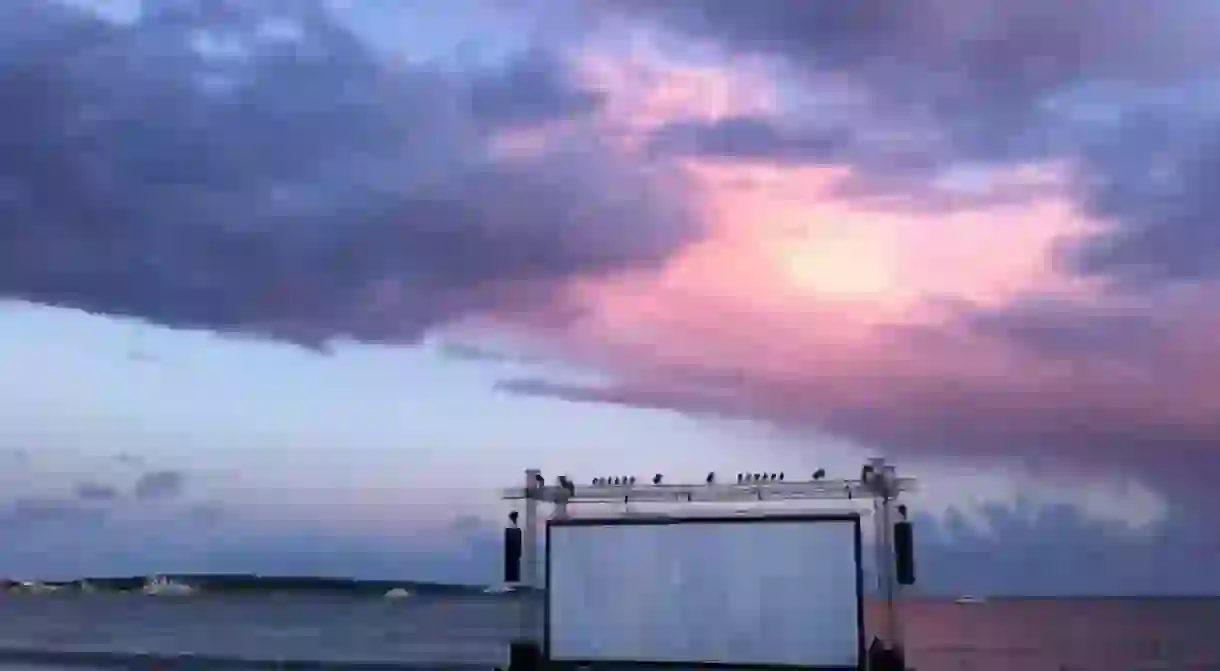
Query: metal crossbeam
711	493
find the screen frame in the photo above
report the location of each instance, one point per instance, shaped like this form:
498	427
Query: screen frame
665	520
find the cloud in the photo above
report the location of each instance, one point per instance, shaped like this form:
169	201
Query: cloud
95	491
1154	177
975	230
48	539
901	225
1024	550
1083	387
159	485
1087	382
462	351
533	89
752	138
129	460
48	514
262	170
14	456
1123	92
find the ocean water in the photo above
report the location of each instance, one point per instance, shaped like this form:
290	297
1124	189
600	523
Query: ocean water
260	632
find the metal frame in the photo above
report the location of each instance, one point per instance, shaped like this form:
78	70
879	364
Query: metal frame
882	488
657	520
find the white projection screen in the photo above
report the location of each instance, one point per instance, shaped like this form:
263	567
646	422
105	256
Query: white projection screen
774	591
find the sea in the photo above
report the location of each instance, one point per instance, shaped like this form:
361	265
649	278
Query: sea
129	631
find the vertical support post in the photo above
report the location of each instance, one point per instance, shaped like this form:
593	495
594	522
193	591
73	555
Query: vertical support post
886	519
892	607
881	561
529	558
882	486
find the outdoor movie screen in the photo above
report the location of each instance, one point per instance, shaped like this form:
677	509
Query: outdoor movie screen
741	591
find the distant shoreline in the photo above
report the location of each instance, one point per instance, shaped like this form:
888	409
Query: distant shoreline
258	584
237	583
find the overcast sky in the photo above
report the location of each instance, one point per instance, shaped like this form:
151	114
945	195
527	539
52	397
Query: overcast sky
293	286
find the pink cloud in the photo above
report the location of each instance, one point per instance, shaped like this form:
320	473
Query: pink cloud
812	308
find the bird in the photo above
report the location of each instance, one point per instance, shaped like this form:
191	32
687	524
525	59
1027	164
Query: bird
781	476
656	479
739	478
711	477
819	474
632	480
567	485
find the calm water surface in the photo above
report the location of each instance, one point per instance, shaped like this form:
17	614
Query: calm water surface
113	631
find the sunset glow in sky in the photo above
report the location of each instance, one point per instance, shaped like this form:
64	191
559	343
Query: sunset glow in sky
307	273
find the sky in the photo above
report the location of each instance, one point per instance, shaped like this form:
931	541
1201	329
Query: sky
295	286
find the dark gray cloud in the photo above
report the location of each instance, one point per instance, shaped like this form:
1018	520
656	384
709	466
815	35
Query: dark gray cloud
96	491
1028	550
43	514
62	539
1156	177
206	515
129	460
14	456
533	89
159	485
1058	328
461	351
1124	90
745	137
259	169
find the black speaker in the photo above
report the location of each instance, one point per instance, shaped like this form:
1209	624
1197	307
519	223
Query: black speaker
512	554
904	553
524	656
